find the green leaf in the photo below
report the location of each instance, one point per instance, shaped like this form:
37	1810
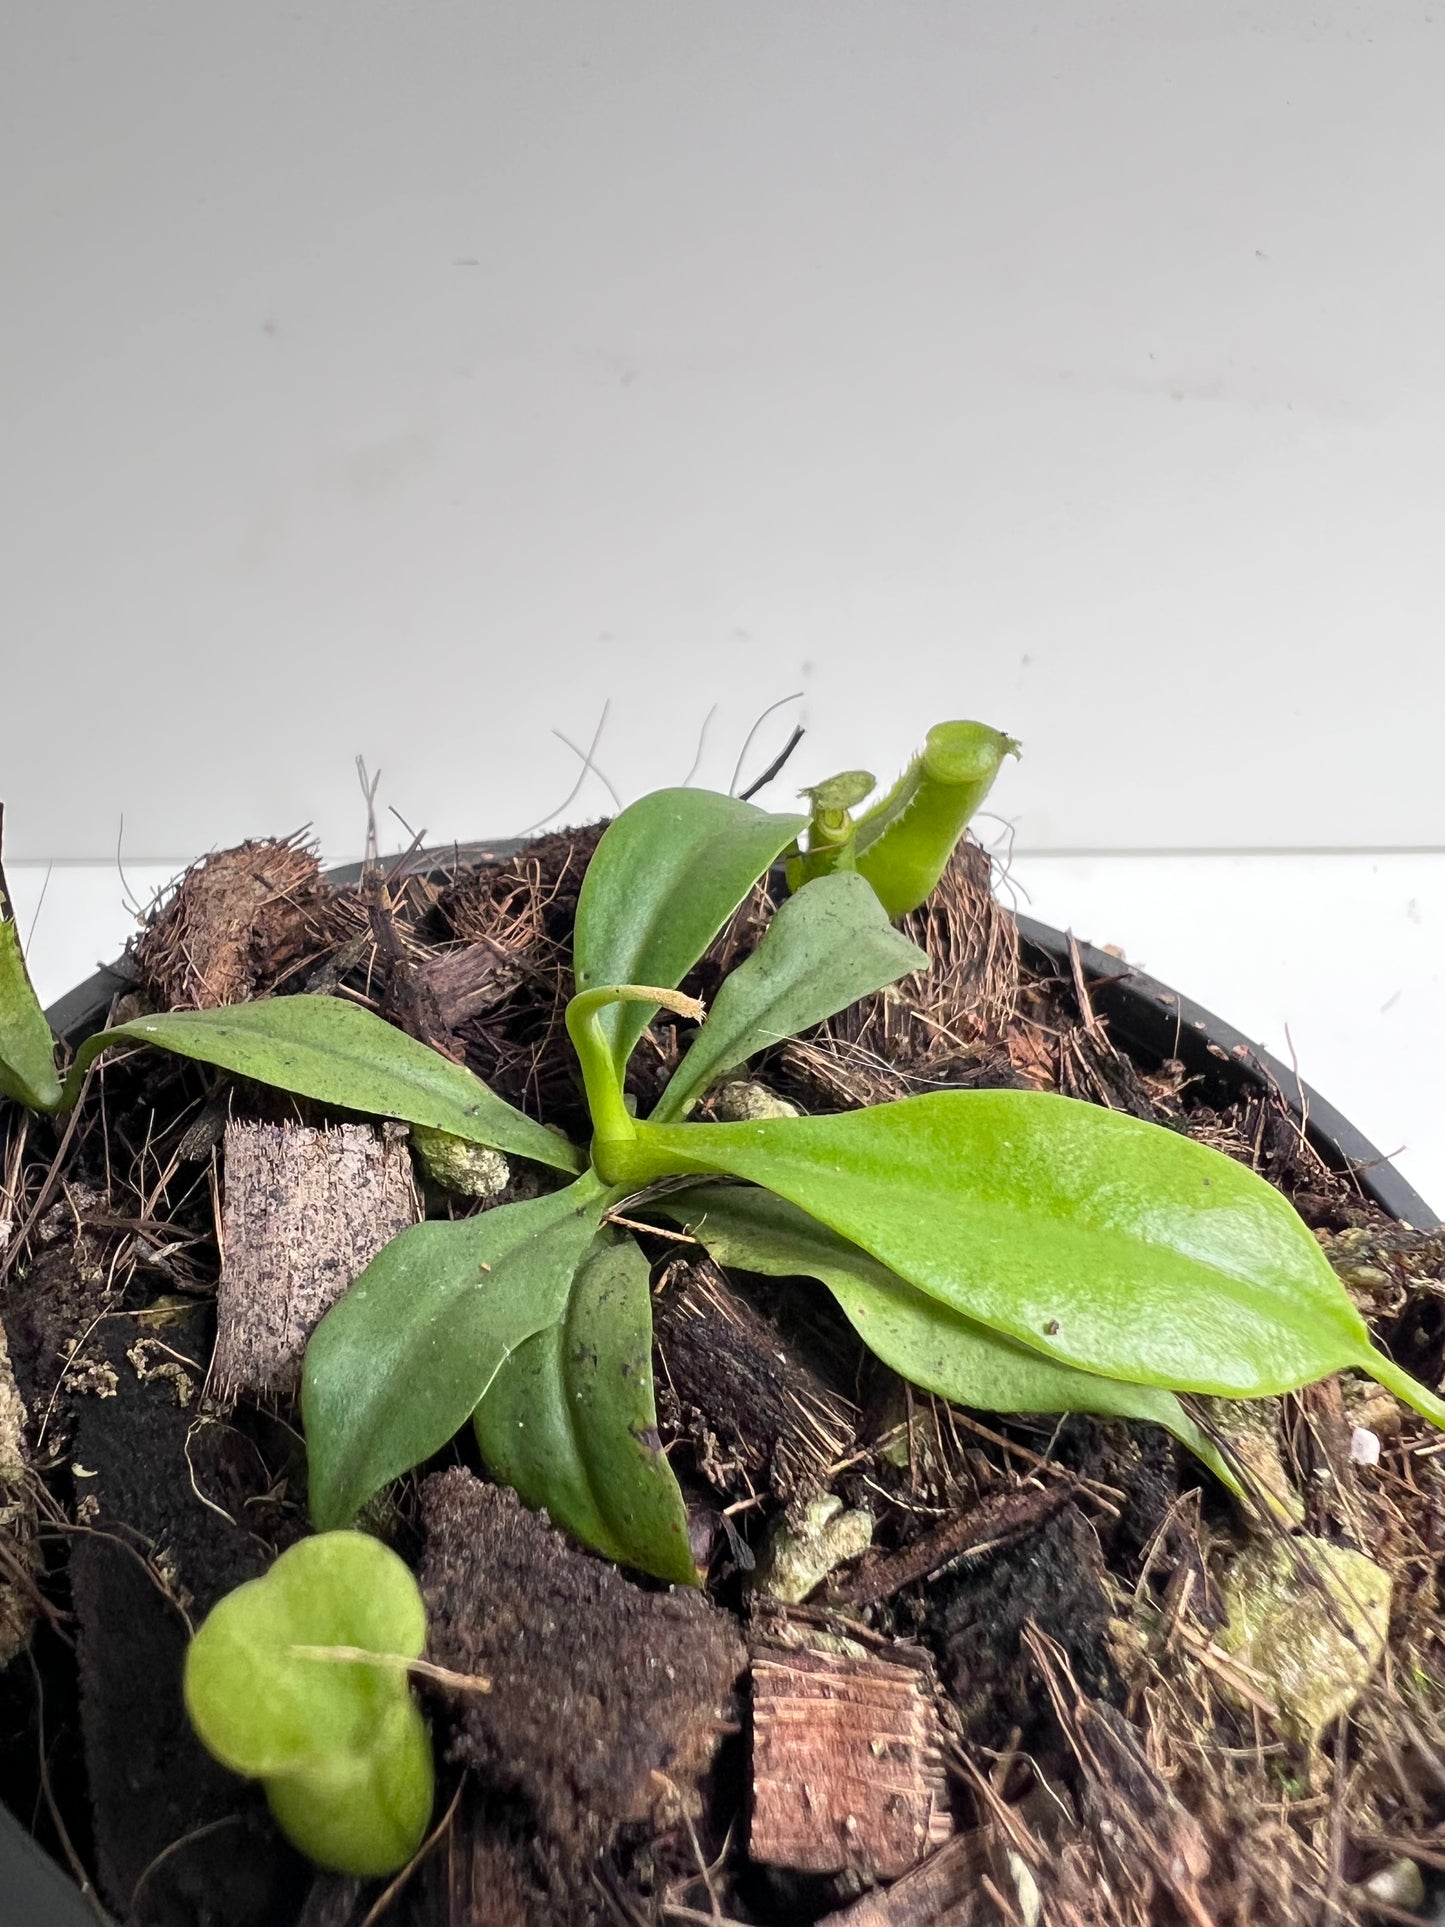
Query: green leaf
827	946
665	878
338	1053
919	1338
1107	1243
338	1741
398	1365
27	1050
569	1421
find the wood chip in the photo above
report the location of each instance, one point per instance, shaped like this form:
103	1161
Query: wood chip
305	1212
1000	1520
934	1893
847	1764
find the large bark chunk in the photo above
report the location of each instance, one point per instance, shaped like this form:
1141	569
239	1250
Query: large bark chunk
607	1701
847	1763
305	1212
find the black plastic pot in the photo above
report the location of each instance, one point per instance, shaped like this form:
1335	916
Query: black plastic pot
1151	1021
1154	1022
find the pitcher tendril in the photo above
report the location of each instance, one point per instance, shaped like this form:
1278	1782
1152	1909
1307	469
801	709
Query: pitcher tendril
610	1117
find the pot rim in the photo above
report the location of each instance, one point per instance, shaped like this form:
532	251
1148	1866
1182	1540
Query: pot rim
1158	1021
1145	1014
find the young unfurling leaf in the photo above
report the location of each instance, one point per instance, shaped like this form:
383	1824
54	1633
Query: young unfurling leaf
831	828
665	878
827	946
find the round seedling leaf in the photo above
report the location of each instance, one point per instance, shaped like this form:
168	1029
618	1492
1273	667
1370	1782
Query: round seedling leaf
299	1679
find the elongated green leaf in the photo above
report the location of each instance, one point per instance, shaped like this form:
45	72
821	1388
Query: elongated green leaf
27	1051
398	1364
827	946
1108	1244
569	1421
338	1053
665	878
922	1340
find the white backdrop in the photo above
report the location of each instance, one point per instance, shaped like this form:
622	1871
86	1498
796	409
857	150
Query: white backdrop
413	381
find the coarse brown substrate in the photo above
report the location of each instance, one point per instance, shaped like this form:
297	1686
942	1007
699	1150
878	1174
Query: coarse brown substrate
1028	1655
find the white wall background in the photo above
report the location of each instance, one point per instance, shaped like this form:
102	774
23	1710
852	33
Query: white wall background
411	381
